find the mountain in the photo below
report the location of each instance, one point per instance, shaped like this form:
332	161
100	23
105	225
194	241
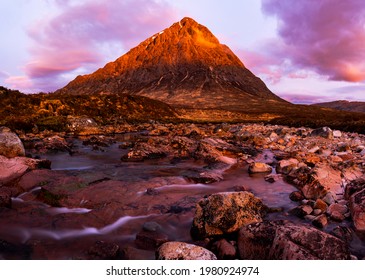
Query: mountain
185	66
344	105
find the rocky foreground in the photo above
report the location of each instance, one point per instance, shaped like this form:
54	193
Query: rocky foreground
39	206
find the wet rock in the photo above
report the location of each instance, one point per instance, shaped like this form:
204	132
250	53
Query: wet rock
329	198
296	196
144	151
152	226
354	186
11	169
5	197
321	180
324	132
183	251
259	167
272	178
320	205
225	250
301	211
320	221
52	144
10	144
150	240
286	166
357	208
343	233
102	250
286	241
205	177
222	213
337	207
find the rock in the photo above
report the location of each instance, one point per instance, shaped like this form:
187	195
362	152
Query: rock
337	134
324	132
329	198
102	250
144	151
337	207
259	167
150	240
223	213
337	216
285	241
5	197
357	209
343	233
321	205
320	221
285	166
10	144
321	180
83	125
152	226
11	169
296	196
354	186
205	177
301	211
272	178
225	250
183	251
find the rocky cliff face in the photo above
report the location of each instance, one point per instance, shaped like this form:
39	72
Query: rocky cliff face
184	66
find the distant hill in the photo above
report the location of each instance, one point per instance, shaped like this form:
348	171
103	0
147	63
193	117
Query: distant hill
344	105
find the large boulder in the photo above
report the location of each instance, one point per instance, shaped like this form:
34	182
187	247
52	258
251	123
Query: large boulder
317	182
283	240
183	251
10	144
226	212
286	165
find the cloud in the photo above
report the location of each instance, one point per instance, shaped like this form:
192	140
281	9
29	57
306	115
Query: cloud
326	36
3	75
84	35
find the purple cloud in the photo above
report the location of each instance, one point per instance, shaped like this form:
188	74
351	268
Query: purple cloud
327	36
75	40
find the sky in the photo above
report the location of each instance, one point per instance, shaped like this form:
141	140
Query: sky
306	51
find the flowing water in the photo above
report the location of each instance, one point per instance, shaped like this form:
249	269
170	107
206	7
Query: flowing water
62	242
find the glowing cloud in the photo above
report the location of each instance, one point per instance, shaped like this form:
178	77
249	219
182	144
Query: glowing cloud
327	36
84	35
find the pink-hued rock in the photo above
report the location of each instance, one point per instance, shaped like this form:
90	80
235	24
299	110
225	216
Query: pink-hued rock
283	240
183	251
10	144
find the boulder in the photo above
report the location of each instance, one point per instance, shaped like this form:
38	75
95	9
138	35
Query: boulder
183	251
282	240
321	180
285	166
82	125
259	167
102	250
324	132
225	250
144	151
320	221
223	213
10	144
357	209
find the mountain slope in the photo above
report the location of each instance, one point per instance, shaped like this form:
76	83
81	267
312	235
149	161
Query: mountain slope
184	66
344	105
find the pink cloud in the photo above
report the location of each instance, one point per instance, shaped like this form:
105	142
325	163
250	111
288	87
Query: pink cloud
327	36
77	39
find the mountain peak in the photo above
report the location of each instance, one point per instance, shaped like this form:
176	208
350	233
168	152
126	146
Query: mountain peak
184	65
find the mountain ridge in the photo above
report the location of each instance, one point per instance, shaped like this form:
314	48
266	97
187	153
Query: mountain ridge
344	105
